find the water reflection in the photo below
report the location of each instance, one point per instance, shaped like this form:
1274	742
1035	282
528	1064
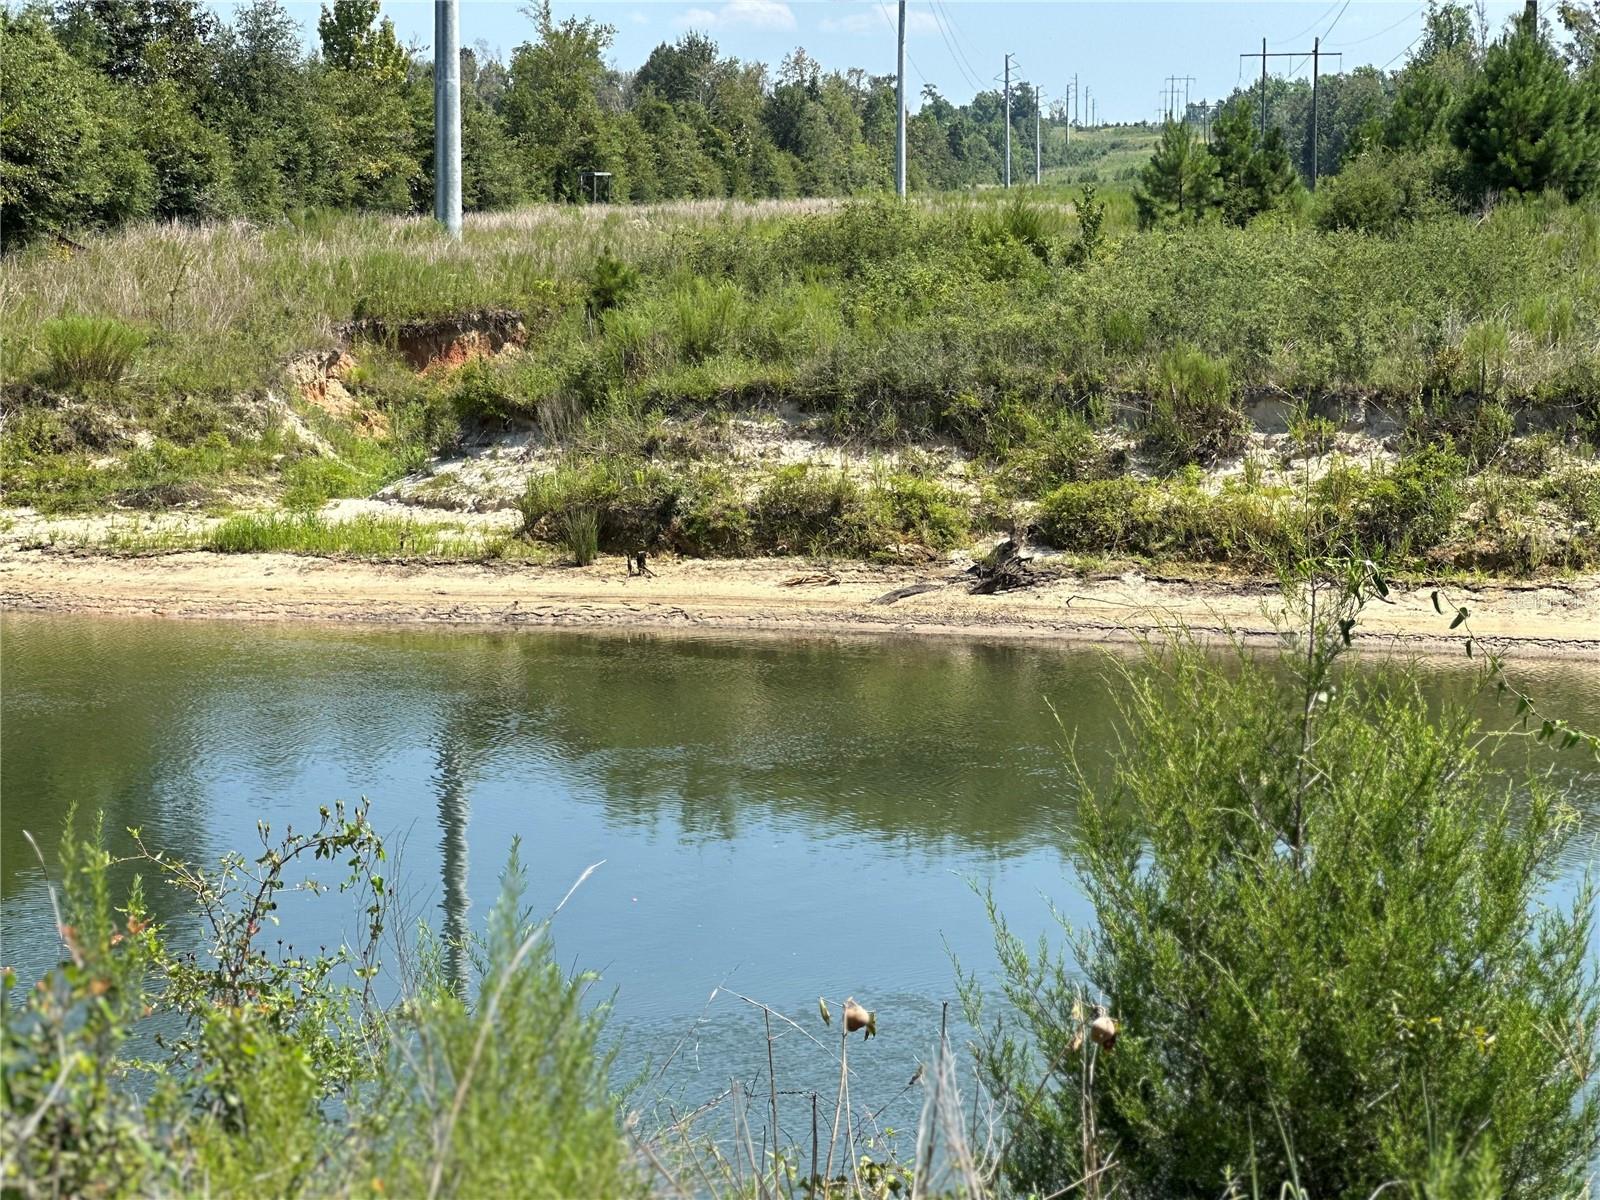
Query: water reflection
456	902
740	791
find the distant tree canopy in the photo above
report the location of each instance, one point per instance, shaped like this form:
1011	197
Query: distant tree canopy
1465	120
112	110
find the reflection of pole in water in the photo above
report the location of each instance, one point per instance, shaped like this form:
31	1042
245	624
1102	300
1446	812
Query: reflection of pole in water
453	814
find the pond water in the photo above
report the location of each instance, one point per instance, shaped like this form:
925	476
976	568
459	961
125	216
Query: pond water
783	818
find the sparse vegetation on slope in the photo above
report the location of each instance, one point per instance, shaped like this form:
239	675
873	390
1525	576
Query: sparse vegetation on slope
1045	350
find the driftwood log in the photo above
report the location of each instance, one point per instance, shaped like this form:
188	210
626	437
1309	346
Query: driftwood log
1004	569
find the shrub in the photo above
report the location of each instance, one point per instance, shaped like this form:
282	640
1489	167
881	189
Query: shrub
537	1116
926	511
610	283
1487	435
1054	449
1484	348
1312	435
1194	418
1032	225
1410	507
1094	517
803	509
283	1067
713	517
1378	192
1128	516
86	350
704	316
580	532
1316	923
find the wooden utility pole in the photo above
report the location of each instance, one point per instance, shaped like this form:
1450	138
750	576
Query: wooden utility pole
900	112
1316	140
1315	54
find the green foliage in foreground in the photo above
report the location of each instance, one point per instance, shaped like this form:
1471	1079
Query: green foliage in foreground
1317	924
278	1073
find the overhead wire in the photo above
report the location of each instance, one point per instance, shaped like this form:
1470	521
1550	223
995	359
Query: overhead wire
938	20
883	8
960	36
1403	53
1325	33
1296	37
1410	16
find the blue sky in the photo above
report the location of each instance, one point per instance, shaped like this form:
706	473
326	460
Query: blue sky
1121	52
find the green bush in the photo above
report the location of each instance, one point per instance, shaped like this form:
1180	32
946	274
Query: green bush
927	512
1167	520
1317	925
1378	192
631	504
1412	506
1097	517
1045	450
804	509
1193	416
580	533
281	1071
80	351
713	517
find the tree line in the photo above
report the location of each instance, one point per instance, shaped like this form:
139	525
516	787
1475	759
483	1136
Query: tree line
117	110
127	109
1466	120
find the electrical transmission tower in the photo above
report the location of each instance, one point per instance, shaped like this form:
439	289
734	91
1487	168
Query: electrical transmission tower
1172	90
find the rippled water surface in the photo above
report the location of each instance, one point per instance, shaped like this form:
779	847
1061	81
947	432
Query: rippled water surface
784	818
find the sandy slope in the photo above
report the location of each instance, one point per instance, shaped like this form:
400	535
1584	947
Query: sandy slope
1557	618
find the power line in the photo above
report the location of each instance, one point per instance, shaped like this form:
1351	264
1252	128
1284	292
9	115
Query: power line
957	58
1410	16
1294	37
1404	52
1324	38
960	36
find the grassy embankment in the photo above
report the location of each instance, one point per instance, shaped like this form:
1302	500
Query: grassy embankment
1095	388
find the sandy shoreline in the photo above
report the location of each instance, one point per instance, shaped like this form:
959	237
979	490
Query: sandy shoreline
756	595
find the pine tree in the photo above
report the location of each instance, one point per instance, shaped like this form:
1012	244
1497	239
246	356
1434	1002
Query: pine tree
1525	125
1179	181
1254	174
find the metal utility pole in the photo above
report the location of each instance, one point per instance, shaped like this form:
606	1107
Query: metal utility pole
1263	89
1008	120
1038	125
1088	102
900	112
447	115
